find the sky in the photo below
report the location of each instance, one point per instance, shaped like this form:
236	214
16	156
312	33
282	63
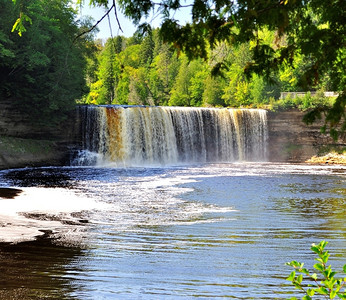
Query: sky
104	29
127	26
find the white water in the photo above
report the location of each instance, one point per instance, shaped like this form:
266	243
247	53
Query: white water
142	136
209	231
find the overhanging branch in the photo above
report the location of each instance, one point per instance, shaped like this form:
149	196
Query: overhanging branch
98	22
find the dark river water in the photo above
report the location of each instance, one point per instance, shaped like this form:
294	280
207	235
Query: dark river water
207	231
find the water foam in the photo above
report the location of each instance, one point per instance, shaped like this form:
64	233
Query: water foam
37	211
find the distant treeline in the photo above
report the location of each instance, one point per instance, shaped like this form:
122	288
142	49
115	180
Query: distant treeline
144	70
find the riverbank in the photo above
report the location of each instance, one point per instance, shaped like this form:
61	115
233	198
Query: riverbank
18	152
330	158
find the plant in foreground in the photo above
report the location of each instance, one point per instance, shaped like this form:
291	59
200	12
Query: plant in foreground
324	284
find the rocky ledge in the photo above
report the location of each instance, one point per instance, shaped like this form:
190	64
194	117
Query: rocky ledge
330	158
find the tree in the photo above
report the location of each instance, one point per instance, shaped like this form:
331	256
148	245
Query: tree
106	73
147	49
213	91
164	69
42	72
180	94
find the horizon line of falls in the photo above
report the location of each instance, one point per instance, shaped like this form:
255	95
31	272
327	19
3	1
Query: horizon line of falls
142	136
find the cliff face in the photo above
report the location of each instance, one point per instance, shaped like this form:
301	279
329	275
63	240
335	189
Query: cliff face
291	140
22	144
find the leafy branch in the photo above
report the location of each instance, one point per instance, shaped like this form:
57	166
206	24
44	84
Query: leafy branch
327	285
19	24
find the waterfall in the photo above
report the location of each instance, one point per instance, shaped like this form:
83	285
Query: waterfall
137	136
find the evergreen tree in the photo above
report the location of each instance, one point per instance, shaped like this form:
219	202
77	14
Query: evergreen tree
106	74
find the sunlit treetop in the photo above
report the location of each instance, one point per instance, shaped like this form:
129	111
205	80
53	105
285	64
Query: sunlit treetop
312	27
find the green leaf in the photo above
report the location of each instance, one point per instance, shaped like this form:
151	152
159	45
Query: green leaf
310	292
306	297
319	259
322	291
300	279
19	24
305	271
319	267
297	285
292	276
332	294
315	249
234	21
295	264
323	244
314	276
16	24
325	257
344	269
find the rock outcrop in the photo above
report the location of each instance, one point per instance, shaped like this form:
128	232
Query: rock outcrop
23	144
291	140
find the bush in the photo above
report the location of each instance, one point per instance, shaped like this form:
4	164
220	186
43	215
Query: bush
324	284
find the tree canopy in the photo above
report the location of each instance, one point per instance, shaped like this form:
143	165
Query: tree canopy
42	71
308	43
312	29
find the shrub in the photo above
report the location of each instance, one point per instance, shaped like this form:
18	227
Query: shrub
323	284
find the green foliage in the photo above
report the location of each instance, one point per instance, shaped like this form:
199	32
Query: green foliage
19	24
106	73
298	45
325	284
307	102
189	83
212	95
152	73
42	71
307	48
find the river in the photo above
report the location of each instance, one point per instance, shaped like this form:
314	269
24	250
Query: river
202	231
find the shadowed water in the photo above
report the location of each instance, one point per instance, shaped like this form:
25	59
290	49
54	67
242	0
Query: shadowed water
207	231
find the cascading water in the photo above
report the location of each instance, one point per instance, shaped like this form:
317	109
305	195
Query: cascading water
135	136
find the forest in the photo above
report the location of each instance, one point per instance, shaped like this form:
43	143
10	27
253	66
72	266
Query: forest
142	70
47	65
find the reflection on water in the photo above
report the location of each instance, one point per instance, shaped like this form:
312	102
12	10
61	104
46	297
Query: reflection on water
37	270
166	233
314	198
